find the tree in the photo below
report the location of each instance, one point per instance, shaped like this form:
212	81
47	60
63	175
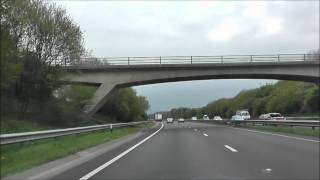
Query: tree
125	106
36	38
286	97
312	100
44	29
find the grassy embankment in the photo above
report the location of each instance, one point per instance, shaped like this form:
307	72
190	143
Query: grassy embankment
19	157
306	131
9	125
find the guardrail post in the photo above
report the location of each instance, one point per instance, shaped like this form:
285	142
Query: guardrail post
278	57
250	58
304	57
160	59
191	59
313	128
222	59
111	128
128	60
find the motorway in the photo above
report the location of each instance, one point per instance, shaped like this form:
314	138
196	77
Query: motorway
205	151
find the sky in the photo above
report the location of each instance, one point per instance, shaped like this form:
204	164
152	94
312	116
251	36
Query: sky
173	28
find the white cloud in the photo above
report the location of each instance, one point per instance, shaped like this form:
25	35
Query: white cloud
269	26
255	9
253	21
206	27
226	30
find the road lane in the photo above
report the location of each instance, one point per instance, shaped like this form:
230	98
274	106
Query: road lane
289	158
83	169
105	165
175	153
180	152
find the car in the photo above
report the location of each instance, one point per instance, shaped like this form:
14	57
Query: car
217	118
274	116
237	118
205	117
194	118
169	120
180	120
262	116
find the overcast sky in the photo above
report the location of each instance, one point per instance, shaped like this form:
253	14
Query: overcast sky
161	28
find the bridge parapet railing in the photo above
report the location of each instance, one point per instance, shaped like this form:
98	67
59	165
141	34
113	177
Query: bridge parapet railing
131	61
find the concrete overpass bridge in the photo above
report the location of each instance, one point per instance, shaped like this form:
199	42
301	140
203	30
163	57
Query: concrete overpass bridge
109	74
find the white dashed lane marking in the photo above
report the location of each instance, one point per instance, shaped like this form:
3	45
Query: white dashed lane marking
230	148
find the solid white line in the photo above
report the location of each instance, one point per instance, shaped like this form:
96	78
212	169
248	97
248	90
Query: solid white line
205	134
280	135
230	148
92	173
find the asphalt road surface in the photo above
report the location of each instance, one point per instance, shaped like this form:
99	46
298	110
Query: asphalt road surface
202	151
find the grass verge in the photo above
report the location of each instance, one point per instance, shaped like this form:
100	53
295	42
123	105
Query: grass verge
14	126
19	157
306	131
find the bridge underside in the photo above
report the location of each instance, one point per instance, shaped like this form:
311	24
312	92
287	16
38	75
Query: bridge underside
109	79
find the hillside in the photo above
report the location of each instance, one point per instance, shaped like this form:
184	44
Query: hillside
287	97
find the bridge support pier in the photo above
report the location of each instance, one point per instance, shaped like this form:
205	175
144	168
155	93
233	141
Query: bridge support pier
102	94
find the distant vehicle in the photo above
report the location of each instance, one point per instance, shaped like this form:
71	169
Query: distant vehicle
262	116
158	117
244	114
180	120
237	118
205	117
169	120
273	116
217	118
194	118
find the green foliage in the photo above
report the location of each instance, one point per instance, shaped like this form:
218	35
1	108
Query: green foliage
9	70
64	107
126	106
286	97
42	28
9	125
312	100
182	112
36	37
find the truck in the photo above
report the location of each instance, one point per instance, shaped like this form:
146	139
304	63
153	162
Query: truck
158	117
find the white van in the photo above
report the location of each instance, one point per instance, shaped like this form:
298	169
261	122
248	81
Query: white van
244	114
205	117
169	120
